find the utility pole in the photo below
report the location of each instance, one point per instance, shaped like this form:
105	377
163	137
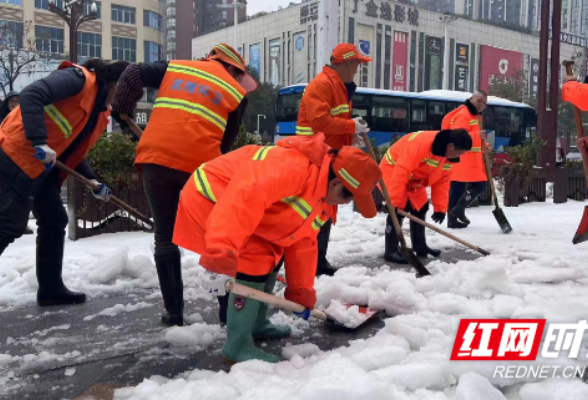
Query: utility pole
447	19
235	5
73	15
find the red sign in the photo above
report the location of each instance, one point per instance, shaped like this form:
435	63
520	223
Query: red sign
399	64
498	339
498	64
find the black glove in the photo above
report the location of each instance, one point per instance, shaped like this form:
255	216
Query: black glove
123	124
438	217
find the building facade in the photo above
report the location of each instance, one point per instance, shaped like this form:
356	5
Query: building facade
407	43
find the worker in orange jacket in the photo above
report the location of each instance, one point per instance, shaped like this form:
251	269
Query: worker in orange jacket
577	94
468	178
249	209
412	164
326	107
196	118
60	118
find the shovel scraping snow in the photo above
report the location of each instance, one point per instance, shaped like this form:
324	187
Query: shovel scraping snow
249	293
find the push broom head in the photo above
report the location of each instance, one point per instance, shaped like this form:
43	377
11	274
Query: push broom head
502	221
582	232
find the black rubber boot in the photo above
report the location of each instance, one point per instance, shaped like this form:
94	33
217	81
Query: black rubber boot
453	223
323	266
392	253
169	272
52	291
223	302
419	240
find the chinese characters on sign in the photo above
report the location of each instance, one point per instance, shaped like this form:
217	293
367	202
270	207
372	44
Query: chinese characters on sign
570	39
534	77
462	59
309	13
400	61
400	13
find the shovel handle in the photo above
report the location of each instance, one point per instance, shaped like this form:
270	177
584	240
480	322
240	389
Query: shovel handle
134	127
579	127
244	291
488	164
113	199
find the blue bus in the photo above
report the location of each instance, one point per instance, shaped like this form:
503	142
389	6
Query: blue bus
390	113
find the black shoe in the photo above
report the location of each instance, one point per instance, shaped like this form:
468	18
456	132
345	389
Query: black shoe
28	231
396	257
459	213
49	296
453	223
169	272
172	320
428	251
325	268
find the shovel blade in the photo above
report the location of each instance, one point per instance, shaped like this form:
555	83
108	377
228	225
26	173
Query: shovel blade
368	314
502	221
582	232
416	263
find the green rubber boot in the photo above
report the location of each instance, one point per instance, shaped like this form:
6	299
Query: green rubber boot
241	316
263	328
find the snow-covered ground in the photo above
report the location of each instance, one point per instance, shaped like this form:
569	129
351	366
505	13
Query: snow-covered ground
535	272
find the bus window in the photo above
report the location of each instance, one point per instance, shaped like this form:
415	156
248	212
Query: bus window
389	114
450	106
418	119
436	114
508	123
359	100
288	107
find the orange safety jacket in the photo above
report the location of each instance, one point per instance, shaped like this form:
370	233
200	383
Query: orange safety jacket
410	166
64	120
576	93
260	204
471	167
189	116
325	107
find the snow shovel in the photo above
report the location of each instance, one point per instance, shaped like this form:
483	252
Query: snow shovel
410	256
121	204
498	213
582	232
249	293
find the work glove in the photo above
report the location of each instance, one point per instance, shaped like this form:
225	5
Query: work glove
305	315
582	142
103	193
46	155
438	217
216	284
123	124
357	141
360	125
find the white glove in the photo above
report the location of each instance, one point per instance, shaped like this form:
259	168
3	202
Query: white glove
360	125
357	141
103	193
46	155
216	283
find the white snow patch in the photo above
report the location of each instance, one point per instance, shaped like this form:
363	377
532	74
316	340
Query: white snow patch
198	335
119	308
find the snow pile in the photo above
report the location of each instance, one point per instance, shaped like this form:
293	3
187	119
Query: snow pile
119	308
198	335
346	315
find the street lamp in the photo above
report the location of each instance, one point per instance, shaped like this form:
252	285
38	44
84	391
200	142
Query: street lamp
446	19
258	125
73	15
235	6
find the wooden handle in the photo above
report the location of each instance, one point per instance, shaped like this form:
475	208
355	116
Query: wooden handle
488	165
272	300
113	199
579	125
134	127
442	232
391	208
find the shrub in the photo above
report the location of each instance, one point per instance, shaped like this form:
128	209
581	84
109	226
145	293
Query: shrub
112	159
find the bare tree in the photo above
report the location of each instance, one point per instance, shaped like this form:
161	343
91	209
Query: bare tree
18	52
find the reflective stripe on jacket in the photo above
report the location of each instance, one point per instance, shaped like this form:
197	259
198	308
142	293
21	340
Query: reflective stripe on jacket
471	167
64	120
190	115
325	108
410	166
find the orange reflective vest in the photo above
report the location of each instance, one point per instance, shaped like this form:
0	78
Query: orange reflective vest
410	166
471	166
576	93
64	120
261	203
325	107
190	115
